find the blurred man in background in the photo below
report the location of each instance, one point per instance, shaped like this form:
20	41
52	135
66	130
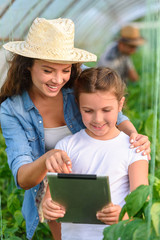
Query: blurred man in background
117	55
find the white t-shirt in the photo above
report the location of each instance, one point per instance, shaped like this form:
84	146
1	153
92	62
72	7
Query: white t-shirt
93	156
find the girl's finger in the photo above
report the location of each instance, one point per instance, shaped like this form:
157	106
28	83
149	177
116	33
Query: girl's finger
108	220
53	215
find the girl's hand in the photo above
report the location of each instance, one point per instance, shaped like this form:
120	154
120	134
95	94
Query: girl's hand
142	142
109	214
52	210
58	161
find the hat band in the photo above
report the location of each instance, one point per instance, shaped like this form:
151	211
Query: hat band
127	40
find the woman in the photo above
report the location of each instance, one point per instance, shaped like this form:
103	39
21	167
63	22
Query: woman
38	107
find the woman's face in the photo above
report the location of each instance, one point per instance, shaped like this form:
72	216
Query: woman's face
49	78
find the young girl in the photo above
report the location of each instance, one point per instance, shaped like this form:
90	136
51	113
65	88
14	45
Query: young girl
99	149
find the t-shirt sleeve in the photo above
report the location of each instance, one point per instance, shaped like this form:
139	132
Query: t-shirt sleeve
134	157
63	143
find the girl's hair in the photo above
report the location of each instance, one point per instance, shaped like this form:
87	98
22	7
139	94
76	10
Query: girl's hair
99	79
19	77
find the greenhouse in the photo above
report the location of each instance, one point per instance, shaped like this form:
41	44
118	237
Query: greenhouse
25	124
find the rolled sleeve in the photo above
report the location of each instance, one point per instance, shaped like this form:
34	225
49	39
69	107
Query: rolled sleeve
19	152
121	118
16	164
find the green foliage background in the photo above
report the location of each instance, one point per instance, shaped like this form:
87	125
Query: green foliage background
143	211
12	224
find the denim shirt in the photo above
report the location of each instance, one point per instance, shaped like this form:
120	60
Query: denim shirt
22	128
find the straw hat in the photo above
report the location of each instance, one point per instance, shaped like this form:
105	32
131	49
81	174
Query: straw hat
131	36
51	40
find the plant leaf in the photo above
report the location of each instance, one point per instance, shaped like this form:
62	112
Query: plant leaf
155	215
113	232
18	217
13	203
136	199
130	228
142	232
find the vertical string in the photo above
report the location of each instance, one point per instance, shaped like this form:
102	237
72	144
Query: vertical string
151	98
1	219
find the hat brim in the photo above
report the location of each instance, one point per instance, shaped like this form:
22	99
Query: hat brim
70	56
133	42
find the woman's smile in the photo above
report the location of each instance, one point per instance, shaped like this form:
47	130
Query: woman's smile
53	88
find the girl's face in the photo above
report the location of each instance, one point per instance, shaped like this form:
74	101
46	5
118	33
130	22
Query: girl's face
48	78
99	113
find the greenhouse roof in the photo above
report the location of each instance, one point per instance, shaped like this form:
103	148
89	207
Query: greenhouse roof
96	21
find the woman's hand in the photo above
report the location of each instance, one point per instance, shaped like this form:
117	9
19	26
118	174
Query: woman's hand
142	142
52	210
58	161
109	214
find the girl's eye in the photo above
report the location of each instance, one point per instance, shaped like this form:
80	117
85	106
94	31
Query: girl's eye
66	71
105	110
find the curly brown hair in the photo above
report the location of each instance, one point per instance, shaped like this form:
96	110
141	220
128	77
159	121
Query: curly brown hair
19	77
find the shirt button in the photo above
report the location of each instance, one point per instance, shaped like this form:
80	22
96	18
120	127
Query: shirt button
36	218
35	190
70	126
40	121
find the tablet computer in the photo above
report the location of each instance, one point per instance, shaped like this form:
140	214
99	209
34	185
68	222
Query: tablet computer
82	195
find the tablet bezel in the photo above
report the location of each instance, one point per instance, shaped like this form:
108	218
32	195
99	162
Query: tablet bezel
78	194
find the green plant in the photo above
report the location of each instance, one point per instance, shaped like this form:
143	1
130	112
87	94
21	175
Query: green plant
143	211
143	208
12	224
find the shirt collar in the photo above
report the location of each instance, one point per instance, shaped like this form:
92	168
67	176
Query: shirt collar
67	90
28	104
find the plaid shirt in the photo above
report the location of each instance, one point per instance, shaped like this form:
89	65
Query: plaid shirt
114	59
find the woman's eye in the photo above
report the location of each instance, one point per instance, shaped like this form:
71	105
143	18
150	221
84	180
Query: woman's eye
87	111
47	71
66	71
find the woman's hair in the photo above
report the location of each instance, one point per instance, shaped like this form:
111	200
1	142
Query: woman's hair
99	79
19	77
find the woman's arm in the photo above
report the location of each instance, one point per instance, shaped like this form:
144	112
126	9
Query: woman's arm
22	148
127	127
31	174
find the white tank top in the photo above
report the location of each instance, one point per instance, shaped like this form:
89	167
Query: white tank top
53	135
